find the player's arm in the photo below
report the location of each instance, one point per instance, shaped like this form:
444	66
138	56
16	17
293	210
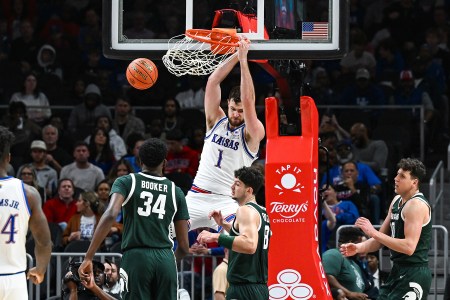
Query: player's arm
247	241
349	294
104	226
218	218
213	111
41	235
254	129
181	230
415	213
371	245
95	289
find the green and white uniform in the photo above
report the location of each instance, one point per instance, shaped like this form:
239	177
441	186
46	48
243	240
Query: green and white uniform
148	269
410	277
247	273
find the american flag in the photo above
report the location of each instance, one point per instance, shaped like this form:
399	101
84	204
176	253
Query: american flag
315	30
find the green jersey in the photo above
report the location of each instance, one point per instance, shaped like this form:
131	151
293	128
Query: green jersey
151	204
251	268
420	255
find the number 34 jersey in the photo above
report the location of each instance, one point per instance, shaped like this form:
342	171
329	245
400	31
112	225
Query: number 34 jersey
224	151
151	204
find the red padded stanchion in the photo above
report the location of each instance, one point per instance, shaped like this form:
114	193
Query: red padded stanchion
295	267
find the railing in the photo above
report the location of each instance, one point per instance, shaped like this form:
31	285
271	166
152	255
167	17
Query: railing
437	255
436	185
57	272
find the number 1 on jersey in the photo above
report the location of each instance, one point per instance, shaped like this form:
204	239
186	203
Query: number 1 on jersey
219	160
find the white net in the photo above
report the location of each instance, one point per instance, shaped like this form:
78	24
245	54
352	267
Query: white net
187	56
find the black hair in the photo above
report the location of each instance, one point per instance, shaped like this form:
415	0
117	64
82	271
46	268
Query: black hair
36	90
133	138
251	177
80	143
152	152
350	162
106	154
6	140
17	106
350	235
235	94
174	135
177	105
414	166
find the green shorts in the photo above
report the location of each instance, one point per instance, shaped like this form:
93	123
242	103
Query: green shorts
248	291
148	273
406	282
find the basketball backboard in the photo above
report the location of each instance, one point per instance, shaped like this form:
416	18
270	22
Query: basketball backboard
278	29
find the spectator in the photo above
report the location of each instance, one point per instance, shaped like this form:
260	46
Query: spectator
73	289
358	57
329	124
139	29
83	117
81	226
50	74
24	48
27	174
379	277
345	213
120	168
90	36
220	282
390	61
62	207
116	143
47	177
180	158
24	130
56	156
371	152
101	154
112	284
134	142
84	175
194	97
65	138
362	92
361	193
125	122
343	272
197	140
38	107
171	116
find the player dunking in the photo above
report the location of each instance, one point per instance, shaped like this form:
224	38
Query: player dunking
20	209
229	143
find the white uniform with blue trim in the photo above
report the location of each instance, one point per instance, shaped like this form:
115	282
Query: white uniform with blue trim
224	151
14	217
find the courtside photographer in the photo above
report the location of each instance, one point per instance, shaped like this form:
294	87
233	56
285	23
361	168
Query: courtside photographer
73	289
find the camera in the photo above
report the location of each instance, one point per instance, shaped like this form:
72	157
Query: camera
72	275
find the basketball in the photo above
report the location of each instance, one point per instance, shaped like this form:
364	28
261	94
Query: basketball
142	73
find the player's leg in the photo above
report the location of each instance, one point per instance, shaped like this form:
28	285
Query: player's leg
13	287
199	206
407	283
165	284
247	291
136	273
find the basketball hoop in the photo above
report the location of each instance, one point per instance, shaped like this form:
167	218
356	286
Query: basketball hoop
200	51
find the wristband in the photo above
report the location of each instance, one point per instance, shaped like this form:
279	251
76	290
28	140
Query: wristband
226	240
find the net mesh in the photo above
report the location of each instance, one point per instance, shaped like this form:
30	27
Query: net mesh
188	56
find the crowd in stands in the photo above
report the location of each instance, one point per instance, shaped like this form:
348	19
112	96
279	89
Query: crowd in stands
51	57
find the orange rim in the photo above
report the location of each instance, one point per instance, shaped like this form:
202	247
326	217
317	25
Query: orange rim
204	35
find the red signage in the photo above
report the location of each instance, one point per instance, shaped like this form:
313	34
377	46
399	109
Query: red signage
295	267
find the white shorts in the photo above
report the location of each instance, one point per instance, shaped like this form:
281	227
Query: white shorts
13	287
200	205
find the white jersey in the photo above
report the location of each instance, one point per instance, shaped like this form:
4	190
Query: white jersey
14	215
224	151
